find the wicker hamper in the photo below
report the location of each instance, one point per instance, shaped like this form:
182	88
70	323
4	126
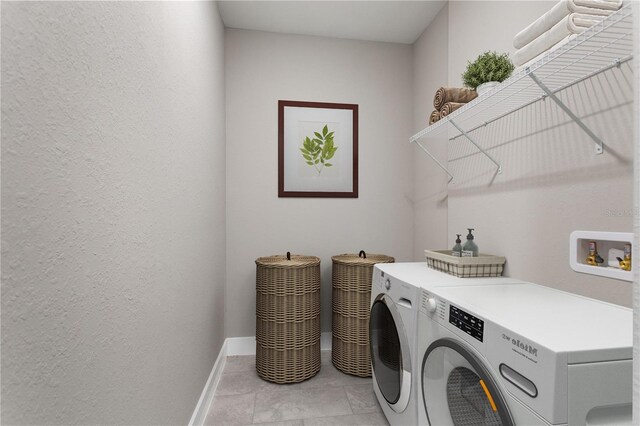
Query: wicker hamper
351	302
287	318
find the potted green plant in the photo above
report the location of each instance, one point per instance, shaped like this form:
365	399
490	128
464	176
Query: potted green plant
487	71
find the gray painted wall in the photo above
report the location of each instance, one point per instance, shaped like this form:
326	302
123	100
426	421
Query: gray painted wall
553	182
430	67
113	218
263	68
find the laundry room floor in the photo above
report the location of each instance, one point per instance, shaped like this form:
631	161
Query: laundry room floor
329	398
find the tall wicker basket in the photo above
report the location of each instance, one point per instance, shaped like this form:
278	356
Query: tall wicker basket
351	302
287	318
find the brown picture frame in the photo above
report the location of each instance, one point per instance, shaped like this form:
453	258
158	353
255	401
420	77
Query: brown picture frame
343	181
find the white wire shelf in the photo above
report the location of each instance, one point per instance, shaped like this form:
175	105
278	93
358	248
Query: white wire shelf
605	45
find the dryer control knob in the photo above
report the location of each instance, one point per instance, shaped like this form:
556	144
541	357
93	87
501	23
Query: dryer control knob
431	305
387	284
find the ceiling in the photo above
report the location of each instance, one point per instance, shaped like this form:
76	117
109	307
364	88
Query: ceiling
391	21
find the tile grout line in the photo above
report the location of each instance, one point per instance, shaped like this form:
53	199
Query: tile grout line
255	401
348	399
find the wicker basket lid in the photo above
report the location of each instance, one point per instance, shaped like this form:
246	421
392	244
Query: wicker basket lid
287	261
364	259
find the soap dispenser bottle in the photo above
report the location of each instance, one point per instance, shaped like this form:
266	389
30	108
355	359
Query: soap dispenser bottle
457	249
470	249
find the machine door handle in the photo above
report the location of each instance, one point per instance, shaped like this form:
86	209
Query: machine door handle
405	302
518	380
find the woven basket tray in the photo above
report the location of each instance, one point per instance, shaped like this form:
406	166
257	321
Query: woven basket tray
484	265
351	302
287	318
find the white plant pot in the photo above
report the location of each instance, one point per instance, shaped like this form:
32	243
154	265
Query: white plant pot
485	87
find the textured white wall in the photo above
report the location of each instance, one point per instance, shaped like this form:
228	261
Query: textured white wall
262	68
553	183
113	210
430	66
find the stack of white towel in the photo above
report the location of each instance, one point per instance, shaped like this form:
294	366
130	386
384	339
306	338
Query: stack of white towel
559	25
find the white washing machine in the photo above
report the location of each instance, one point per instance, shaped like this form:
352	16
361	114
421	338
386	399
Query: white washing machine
395	298
392	330
522	354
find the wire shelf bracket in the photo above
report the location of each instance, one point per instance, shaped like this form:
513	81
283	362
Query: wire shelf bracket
575	118
466	135
435	159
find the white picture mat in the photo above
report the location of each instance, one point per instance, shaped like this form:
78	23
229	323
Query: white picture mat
300	122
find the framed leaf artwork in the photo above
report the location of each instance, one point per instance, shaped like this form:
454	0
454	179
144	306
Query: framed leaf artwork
317	149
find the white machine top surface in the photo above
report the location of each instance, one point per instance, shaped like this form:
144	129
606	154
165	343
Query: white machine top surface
418	274
557	320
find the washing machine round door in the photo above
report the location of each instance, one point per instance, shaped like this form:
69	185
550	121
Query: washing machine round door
390	358
458	390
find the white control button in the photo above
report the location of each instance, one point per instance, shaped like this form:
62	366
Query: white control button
387	284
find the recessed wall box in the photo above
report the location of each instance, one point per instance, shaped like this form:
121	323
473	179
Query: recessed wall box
579	249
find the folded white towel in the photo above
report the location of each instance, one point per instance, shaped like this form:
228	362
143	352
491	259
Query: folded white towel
574	23
558	12
554	47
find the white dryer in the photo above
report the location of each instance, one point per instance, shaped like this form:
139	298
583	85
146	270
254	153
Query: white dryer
522	354
395	298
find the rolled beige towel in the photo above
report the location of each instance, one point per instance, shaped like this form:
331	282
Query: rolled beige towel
452	94
435	116
449	107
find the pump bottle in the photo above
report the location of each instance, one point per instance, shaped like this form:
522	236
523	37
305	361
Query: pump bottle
457	249
470	249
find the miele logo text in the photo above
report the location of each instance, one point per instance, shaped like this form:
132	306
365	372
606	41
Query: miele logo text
522	345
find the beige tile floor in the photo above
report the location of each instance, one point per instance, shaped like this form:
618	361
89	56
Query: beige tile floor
329	398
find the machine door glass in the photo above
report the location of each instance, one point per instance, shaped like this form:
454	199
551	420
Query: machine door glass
386	352
457	389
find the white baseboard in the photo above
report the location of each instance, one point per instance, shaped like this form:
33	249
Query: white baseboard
247	345
232	346
206	398
325	341
241	346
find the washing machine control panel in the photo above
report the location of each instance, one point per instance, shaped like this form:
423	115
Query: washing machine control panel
431	306
466	322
